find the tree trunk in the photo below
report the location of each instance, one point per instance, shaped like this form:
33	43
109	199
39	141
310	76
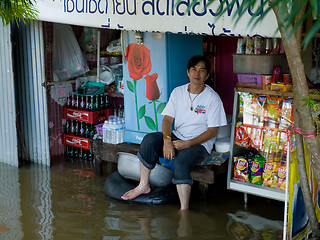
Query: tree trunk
300	89
306	193
292	48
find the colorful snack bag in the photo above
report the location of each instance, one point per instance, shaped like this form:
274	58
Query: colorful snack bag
241	169
256	169
244	99
241	135
248	112
286	116
286	120
269	175
274	111
281	176
259	108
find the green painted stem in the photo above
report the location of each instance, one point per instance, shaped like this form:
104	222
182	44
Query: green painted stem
135	99
155	114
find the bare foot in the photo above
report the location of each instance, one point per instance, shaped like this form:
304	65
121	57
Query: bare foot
136	192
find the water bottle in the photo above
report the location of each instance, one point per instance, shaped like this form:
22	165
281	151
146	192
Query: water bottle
122	130
108	132
113	132
104	131
118	131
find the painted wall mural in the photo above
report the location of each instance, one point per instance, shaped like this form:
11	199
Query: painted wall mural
139	66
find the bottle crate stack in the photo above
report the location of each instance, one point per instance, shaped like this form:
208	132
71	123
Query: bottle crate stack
82	113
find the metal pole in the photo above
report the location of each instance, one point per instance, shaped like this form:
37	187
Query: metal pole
98	54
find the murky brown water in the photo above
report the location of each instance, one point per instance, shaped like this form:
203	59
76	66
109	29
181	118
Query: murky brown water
67	201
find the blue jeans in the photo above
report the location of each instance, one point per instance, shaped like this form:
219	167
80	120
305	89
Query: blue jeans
151	149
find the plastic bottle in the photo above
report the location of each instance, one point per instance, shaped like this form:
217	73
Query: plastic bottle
108	132
104	131
115	132
122	130
118	132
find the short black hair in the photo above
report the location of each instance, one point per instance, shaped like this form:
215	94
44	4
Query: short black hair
198	58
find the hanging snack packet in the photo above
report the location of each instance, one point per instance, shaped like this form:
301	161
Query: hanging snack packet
274	111
281	176
241	169
259	103
286	120
241	135
286	116
245	100
269	175
256	169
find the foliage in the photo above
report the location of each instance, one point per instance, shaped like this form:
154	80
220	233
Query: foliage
16	10
289	10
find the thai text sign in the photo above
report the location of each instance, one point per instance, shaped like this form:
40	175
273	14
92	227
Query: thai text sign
159	15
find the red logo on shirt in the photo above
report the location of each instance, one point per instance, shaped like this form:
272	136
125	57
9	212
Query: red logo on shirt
200	109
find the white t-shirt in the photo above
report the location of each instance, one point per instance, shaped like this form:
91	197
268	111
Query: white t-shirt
207	112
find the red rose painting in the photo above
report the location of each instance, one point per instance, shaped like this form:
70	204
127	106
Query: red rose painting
138	58
152	92
139	65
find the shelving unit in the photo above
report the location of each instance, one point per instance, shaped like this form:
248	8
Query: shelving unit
247	187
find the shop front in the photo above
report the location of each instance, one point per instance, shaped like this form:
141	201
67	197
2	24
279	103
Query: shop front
103	32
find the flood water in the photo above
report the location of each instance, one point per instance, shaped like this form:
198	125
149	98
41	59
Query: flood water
67	201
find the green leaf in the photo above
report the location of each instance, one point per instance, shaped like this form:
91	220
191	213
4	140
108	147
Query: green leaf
150	123
130	86
160	107
142	112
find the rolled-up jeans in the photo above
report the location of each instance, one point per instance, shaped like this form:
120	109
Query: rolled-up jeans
185	160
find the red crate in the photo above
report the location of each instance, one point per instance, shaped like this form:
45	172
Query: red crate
76	141
86	116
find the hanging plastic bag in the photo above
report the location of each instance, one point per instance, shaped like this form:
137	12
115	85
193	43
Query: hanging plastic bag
67	58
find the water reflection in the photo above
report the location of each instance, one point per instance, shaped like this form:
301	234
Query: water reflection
67	201
161	222
10	210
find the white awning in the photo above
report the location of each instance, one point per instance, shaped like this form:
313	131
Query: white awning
157	16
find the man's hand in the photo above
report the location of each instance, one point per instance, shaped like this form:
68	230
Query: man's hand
181	144
168	149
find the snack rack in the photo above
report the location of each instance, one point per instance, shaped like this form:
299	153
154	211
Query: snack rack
245	186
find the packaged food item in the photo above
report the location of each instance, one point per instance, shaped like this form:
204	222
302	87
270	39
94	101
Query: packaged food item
286	78
276	74
259	104
266	81
241	46
241	135
281	87
247	109
268	46
281	175
256	169
241	169
245	99
286	120
276	45
258	45
271	143
274	110
270	171
249	45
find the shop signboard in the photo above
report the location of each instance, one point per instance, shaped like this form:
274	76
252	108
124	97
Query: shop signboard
159	15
